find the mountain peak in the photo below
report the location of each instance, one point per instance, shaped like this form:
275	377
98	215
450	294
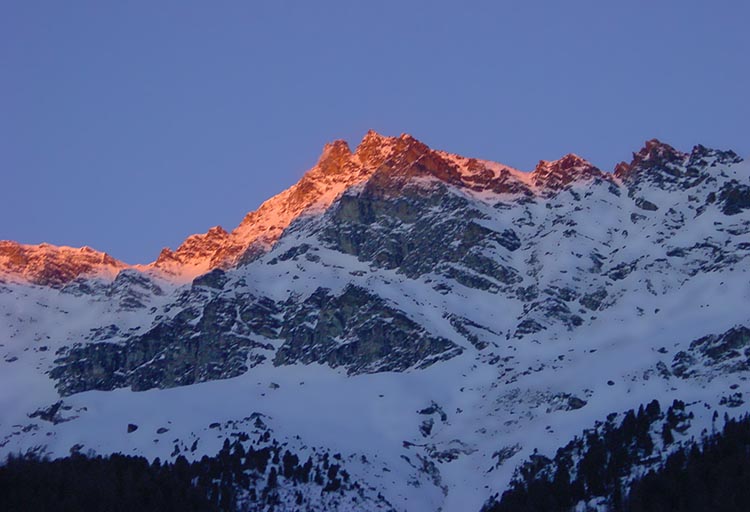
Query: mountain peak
702	154
406	137
334	155
654	154
374	149
51	265
565	163
372	135
556	174
386	164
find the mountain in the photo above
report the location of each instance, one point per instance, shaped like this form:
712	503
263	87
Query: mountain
424	322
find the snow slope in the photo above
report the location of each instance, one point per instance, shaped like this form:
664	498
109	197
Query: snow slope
542	302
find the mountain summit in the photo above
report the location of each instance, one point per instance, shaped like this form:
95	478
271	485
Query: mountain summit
387	161
403	329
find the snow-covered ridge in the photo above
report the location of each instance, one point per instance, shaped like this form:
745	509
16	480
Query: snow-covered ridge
394	160
433	319
52	265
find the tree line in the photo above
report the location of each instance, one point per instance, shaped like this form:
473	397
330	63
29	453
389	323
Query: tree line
710	474
237	478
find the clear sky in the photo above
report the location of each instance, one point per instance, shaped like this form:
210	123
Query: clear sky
127	126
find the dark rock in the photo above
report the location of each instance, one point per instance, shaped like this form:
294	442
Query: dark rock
400	232
291	254
559	174
539	315
701	155
470	330
528	326
50	414
175	352
359	331
528	293
505	453
656	162
622	270
677	252
715	354
682	364
644	204
425	428
734	198
217	278
593	300
575	403
434	409
636	217
733	400
133	289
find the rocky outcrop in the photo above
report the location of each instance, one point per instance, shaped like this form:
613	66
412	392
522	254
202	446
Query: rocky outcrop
389	167
198	344
656	163
223	336
715	354
556	175
734	198
401	231
358	331
515	305
49	265
661	166
336	170
133	289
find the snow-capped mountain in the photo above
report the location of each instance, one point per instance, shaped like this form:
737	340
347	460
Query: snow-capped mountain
430	320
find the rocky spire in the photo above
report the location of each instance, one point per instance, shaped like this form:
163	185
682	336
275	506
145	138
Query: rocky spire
334	157
374	149
556	174
654	155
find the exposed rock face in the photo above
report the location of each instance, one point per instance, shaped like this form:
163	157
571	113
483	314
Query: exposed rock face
734	198
133	289
556	175
217	278
398	205
358	331
715	354
336	170
198	247
401	232
449	222
49	265
224	337
198	344
661	166
441	312
387	165
655	156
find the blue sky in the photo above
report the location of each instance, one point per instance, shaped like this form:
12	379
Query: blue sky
127	126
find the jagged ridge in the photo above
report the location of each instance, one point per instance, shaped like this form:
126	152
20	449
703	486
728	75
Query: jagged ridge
388	162
434	322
